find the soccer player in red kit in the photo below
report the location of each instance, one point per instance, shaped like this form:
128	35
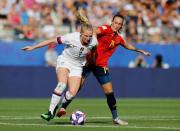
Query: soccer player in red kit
108	41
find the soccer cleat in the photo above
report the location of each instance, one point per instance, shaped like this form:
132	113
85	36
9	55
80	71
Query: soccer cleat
118	121
61	112
47	116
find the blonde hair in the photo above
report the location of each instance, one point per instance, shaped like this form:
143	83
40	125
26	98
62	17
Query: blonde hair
85	26
81	17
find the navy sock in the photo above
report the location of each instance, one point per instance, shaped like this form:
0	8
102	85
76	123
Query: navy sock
114	114
111	101
65	105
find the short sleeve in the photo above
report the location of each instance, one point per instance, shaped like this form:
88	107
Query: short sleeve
121	41
59	41
103	29
64	39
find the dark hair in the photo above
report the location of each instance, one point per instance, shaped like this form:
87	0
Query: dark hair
120	16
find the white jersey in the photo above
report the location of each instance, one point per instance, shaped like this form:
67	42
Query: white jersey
74	51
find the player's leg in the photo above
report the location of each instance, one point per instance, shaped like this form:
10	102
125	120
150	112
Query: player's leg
62	76
85	73
74	82
102	75
111	101
68	96
67	99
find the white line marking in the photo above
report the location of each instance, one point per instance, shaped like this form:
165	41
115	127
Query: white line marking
93	126
160	118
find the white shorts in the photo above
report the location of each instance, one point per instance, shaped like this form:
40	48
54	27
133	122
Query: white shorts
74	70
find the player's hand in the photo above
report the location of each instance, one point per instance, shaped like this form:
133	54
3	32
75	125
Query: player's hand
146	53
27	48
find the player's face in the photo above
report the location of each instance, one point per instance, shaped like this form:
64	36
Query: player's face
86	36
117	24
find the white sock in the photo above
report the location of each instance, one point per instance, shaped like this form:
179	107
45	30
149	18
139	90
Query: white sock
54	102
67	97
64	100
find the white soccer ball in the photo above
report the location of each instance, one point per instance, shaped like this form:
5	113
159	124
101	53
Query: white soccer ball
78	118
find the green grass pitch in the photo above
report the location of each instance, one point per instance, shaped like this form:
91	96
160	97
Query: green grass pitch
142	115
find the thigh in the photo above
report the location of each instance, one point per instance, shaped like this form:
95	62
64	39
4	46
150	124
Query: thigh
74	84
103	77
62	69
62	74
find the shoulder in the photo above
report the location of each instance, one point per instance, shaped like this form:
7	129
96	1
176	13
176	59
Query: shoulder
104	29
94	41
76	34
120	38
70	36
105	26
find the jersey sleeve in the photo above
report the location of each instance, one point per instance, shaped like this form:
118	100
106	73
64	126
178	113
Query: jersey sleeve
103	29
59	41
64	39
121	41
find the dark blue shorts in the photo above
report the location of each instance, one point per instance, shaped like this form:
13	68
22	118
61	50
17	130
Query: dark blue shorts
101	73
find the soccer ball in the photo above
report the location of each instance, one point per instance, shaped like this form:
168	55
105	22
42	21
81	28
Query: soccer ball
78	118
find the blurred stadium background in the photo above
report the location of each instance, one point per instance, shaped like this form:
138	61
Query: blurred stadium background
153	25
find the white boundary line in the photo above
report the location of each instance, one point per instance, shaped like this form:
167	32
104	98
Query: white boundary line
92	126
160	118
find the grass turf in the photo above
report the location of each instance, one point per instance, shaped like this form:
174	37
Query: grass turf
142	115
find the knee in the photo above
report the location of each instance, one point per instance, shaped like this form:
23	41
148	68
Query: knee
69	95
107	88
72	93
108	91
60	88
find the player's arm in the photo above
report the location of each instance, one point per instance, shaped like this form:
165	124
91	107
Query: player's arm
39	45
133	48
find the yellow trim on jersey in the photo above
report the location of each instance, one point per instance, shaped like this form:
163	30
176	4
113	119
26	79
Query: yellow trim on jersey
112	43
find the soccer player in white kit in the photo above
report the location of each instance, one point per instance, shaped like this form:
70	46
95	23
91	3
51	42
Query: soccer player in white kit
69	63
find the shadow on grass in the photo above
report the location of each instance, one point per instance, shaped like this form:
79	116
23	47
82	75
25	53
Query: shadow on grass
87	122
60	123
99	121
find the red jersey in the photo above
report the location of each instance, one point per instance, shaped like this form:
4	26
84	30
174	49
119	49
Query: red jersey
108	42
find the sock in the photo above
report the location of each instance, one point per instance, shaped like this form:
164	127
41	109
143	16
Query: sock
54	102
111	101
66	100
114	114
